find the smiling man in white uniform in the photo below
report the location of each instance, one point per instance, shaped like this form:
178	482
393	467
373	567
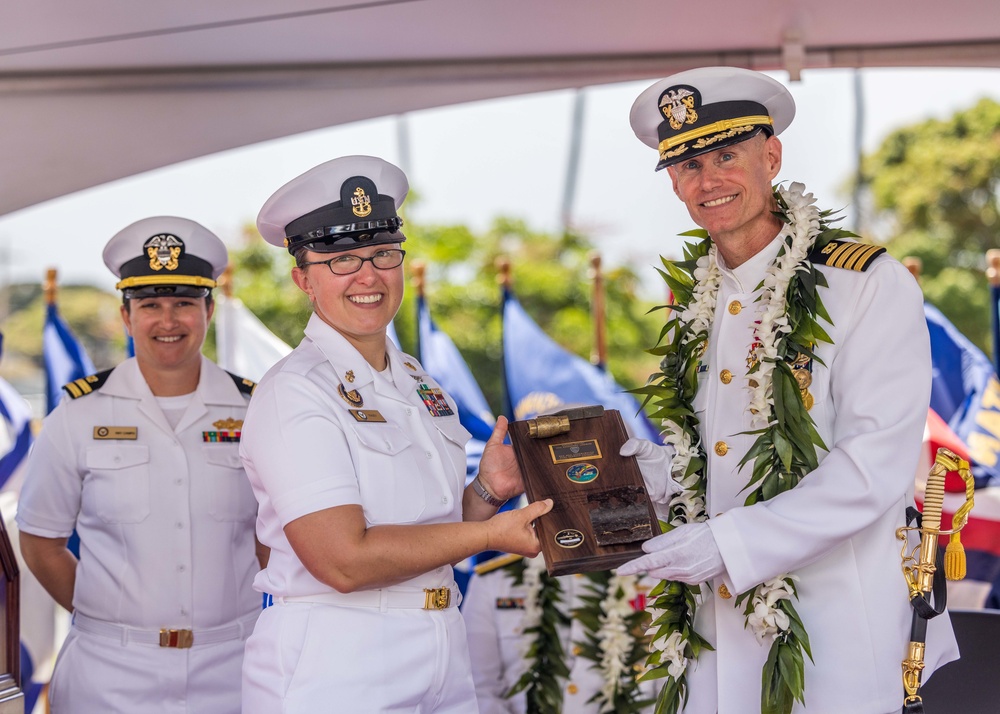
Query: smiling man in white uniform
142	461
866	389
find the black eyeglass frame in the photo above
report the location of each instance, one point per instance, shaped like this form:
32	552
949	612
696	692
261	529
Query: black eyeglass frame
361	261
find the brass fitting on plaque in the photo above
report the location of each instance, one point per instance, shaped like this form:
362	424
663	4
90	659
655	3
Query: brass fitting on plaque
544	427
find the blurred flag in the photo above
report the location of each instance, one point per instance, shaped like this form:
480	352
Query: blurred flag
393	337
444	362
995	324
541	376
15	428
65	358
965	393
244	345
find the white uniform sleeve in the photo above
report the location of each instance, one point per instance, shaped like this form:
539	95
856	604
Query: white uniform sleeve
295	450
50	498
880	389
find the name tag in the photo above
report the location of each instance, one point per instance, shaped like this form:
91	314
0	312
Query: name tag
116	432
370	415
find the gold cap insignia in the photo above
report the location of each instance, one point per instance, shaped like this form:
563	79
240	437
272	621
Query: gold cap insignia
677	105
163	250
361	203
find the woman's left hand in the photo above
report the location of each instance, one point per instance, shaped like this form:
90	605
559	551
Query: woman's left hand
498	469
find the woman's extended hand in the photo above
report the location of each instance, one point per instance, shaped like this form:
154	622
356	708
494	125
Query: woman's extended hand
514	532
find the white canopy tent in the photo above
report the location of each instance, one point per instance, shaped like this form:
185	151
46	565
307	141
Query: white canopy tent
97	90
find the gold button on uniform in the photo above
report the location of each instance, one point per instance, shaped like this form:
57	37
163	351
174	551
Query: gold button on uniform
724	592
735	307
726	376
721	448
572	688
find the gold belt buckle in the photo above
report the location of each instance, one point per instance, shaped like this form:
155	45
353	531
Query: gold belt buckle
181	639
437	598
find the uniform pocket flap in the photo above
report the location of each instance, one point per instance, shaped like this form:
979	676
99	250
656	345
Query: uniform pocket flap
383	438
223	456
123	456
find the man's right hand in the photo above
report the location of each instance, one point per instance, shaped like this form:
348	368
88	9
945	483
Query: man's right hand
654	463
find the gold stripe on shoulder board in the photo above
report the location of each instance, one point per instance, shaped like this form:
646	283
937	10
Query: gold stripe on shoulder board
848	255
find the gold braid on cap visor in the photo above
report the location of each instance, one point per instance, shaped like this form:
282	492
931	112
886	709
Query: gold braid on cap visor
714	128
146	280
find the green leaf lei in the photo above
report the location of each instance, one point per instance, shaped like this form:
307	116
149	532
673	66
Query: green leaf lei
621	695
784	452
542	680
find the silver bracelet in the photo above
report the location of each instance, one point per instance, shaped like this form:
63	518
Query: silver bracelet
481	491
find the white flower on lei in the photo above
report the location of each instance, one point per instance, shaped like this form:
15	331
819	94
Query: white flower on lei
767	621
797	239
614	639
671	650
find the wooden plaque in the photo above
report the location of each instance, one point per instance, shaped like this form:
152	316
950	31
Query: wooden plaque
601	514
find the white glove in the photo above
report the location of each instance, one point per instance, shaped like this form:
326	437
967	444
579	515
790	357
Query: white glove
654	463
688	554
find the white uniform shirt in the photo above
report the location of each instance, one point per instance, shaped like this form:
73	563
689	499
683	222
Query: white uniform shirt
836	529
494	612
165	518
326	430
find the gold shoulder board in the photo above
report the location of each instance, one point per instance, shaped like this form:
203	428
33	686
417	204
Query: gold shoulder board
846	254
244	385
86	385
495	563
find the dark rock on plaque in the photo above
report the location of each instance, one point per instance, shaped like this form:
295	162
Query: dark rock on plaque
601	513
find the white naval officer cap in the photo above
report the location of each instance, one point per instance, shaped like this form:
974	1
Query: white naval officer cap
165	256
701	110
339	205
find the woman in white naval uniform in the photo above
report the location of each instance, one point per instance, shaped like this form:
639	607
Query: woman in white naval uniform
357	460
143	461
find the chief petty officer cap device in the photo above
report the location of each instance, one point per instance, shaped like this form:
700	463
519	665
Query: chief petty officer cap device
346	203
705	109
165	256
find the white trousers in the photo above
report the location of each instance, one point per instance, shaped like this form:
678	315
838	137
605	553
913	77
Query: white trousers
99	674
304	658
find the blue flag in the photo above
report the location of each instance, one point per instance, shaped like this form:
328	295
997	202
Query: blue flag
15	428
541	376
966	394
444	362
65	358
995	324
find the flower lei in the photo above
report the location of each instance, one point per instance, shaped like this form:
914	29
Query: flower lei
614	639
541	681
783	453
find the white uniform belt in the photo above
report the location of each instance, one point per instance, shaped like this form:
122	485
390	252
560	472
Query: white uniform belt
166	637
385	599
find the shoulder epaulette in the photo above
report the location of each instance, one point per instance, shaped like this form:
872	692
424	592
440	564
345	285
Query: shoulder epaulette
85	385
846	254
244	385
492	564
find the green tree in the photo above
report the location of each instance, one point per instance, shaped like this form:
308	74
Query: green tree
938	184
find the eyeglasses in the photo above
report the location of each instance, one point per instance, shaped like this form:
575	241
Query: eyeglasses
347	264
